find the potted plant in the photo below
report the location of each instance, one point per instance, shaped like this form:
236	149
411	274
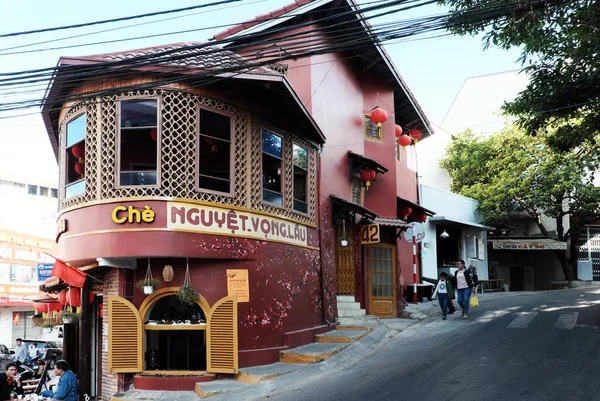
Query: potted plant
70	317
147	285
47	327
186	293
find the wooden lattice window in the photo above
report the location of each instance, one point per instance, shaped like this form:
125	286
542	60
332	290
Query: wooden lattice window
75	157
138	142
272	167
372	130
215	153
300	179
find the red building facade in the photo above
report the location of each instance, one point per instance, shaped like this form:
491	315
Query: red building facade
247	183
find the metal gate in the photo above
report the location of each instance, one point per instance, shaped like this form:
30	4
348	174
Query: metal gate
588	245
344	259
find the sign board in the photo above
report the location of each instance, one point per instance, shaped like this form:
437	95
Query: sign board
370	234
237	284
44	271
213	220
418	229
541	244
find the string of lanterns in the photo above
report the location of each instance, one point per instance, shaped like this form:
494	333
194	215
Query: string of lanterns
78	151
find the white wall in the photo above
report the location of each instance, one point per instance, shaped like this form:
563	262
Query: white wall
429	153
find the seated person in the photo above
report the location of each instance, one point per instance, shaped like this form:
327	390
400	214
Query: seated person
10	382
68	385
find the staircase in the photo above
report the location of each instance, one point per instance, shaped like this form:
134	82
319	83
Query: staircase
350	313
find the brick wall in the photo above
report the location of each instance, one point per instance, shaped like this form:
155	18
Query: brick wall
109	381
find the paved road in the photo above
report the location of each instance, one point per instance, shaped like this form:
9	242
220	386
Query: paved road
544	346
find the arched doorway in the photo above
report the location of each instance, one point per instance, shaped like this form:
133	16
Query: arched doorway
174	333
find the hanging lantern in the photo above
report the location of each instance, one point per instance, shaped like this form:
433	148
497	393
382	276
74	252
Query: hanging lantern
39	307
74	297
398	131
379	115
101	311
367	175
62	297
153	134
405	211
404	140
55	307
168	273
78	150
415	134
79	168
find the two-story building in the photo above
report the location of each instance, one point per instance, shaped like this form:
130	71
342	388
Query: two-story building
241	171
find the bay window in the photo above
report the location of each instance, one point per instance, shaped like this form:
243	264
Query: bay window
75	157
300	181
272	155
214	164
138	142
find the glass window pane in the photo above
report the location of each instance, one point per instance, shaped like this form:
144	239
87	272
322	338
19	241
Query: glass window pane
215	125
32	189
300	186
300	157
54	192
271	173
138	178
215	162
301	207
372	130
272	197
213	184
271	143
138	113
138	156
44	191
76	130
74	189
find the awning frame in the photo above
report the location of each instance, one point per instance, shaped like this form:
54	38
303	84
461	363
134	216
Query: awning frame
352	208
450	221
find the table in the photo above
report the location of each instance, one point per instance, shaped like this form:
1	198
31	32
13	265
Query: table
491	285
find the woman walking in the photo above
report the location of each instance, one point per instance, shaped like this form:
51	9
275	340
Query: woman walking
463	282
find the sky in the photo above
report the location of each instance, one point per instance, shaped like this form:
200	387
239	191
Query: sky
434	69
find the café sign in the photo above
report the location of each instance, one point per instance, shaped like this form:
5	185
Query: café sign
541	244
214	220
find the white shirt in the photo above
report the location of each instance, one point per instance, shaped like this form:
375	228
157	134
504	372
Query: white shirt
442	288
461	281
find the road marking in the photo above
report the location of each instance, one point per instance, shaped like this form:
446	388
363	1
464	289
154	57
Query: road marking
567	320
521	321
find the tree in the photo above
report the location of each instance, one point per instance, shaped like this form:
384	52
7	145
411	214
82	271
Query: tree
512	173
560	42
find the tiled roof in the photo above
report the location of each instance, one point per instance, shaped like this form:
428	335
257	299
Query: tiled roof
365	161
191	54
261	18
390	222
354	207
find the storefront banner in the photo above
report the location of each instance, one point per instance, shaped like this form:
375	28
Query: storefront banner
213	220
529	245
44	271
23	249
18	292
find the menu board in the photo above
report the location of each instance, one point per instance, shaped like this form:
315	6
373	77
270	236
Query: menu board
237	284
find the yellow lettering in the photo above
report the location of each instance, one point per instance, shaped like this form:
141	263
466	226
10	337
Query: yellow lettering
115	214
133	214
148	214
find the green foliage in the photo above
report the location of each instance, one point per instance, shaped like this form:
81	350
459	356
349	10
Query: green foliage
69	317
187	295
560	43
146	282
47	325
511	172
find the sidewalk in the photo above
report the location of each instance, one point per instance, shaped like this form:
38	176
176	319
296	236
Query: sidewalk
260	381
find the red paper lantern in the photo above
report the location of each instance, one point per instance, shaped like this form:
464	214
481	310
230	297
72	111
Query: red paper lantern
398	131
54	306
40	307
78	150
79	168
74	297
379	115
367	175
415	134
405	211
153	133
62	297
404	140
101	311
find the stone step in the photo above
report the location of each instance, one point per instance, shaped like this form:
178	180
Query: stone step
356	327
345	298
257	374
351	312
341	336
311	353
349	306
208	389
367	320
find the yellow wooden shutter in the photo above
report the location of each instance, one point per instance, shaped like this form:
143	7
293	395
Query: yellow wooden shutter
124	336
222	333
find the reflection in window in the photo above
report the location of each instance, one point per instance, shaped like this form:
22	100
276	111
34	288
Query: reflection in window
300	174
372	130
75	157
271	167
138	142
215	152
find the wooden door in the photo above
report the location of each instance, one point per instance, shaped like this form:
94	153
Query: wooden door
344	261
381	259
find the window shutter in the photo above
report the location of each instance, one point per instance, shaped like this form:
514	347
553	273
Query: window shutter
222	336
124	336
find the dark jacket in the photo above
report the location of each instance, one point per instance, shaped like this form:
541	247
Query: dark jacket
468	276
6	389
450	287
